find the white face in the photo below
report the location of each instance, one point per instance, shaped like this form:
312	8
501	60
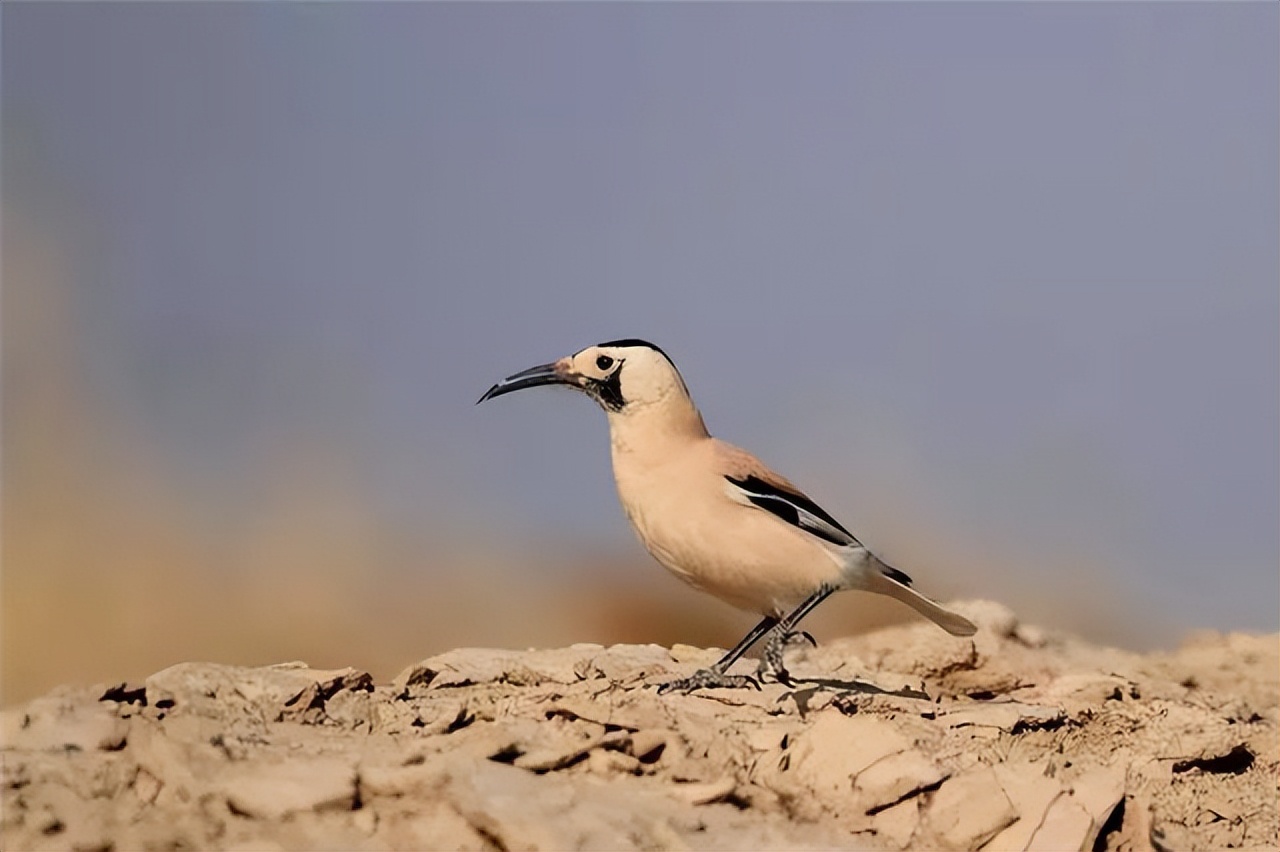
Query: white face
626	376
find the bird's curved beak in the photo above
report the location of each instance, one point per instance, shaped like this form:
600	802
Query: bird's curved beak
556	373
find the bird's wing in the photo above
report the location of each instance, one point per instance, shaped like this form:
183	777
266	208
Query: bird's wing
753	483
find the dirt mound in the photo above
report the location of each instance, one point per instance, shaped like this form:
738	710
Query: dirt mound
907	737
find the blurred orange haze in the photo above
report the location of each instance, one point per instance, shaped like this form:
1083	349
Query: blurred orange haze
111	572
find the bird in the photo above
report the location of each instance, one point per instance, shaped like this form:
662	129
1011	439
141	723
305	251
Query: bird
715	515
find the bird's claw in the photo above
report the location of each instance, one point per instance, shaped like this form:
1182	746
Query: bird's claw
780	675
771	669
708	679
771	665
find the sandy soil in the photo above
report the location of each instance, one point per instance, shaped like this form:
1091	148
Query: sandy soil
904	738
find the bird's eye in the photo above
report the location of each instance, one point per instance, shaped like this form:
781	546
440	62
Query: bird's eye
604	362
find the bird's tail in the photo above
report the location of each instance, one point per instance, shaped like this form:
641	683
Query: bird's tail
892	582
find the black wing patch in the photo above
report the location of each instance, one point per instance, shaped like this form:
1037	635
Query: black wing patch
795	509
895	574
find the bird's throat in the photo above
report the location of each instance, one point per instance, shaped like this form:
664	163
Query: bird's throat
649	436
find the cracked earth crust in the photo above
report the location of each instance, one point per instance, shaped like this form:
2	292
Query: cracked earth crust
1015	738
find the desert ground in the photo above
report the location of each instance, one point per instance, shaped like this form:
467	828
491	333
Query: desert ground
904	738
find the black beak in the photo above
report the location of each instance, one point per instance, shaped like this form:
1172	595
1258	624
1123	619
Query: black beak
543	374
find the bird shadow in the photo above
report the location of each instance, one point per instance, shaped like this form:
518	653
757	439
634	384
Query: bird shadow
805	688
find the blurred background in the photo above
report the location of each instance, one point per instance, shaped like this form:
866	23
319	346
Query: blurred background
995	283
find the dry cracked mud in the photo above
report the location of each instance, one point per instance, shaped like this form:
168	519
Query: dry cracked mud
905	738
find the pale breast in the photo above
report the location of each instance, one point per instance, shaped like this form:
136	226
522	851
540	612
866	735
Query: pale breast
741	554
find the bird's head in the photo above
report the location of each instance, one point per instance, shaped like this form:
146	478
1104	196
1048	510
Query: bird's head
624	376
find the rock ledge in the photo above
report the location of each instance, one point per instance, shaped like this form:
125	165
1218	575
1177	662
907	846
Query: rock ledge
904	738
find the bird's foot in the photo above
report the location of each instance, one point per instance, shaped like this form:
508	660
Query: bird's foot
708	679
772	667
774	672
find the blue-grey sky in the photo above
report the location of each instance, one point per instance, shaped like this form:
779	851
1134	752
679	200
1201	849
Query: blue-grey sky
1003	272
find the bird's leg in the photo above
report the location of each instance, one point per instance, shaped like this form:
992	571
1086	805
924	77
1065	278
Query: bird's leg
717	676
771	663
